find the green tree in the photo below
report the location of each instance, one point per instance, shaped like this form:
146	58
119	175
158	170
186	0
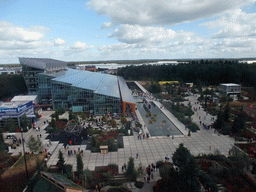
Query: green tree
89	176
218	124
123	120
226	114
10	125
60	111
34	145
104	118
79	165
154	88
2	145
113	123
111	144
131	172
83	116
239	121
53	123
188	169
61	162
56	115
25	123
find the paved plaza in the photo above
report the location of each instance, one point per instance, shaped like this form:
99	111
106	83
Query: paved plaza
149	150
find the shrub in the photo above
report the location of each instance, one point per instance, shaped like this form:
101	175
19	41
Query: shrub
159	164
95	149
193	127
139	184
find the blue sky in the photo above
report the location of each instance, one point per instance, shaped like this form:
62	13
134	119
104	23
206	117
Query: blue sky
89	30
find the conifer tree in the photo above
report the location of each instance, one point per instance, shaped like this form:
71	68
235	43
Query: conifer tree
131	172
61	161
79	165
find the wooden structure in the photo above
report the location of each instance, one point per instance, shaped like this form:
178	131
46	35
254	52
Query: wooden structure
103	149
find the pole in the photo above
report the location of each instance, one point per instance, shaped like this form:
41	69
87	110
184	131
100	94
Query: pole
23	149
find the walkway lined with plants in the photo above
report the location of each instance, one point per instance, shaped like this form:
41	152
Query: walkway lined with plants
149	150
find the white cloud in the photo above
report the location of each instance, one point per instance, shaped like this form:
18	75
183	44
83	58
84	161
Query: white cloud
59	42
234	24
18	41
161	12
22	45
78	47
107	25
10	32
140	34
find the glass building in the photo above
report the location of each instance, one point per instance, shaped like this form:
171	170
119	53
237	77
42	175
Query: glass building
76	90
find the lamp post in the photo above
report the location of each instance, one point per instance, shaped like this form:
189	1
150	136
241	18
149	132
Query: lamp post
25	161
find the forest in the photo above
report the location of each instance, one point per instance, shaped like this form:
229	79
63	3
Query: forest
206	72
11	85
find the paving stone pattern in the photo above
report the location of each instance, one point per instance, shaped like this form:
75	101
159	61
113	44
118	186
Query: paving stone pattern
149	150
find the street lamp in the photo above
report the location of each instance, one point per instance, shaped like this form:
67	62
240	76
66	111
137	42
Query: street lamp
21	130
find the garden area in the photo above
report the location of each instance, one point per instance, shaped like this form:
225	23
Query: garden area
14	179
212	171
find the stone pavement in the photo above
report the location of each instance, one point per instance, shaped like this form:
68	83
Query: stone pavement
149	150
34	133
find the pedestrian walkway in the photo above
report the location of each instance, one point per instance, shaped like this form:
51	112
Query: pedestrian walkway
35	133
149	150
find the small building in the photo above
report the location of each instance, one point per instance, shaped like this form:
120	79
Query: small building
25	98
15	111
103	149
230	89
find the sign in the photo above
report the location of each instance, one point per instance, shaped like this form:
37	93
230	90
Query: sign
17	111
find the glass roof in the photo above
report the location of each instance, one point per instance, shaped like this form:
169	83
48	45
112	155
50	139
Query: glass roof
103	84
125	91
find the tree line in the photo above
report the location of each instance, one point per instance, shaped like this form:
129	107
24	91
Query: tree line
207	72
11	85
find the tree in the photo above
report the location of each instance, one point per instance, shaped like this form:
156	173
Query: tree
226	113
188	169
61	162
60	111
34	145
25	123
131	172
104	118
239	121
10	125
154	88
218	124
2	145
53	123
83	116
79	165
113	123
123	120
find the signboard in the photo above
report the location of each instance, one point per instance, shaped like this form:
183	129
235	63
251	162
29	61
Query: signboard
16	111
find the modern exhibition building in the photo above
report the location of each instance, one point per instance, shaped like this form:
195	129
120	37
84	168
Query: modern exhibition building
58	86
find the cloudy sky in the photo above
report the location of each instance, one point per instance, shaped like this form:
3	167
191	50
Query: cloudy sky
89	30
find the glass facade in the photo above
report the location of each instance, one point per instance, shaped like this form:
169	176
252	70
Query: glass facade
44	88
104	104
78	99
31	78
74	89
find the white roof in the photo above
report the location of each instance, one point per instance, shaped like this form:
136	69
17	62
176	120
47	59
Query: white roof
230	84
11	104
24	98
